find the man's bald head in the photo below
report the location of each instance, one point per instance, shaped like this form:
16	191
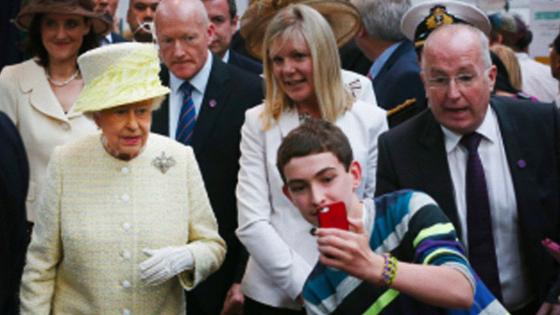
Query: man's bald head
183	32
194	9
460	34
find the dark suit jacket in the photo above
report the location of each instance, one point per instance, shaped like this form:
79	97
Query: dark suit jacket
244	63
215	142
117	38
399	78
14	180
413	155
352	58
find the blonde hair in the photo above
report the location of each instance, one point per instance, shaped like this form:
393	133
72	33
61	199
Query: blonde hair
301	20
508	58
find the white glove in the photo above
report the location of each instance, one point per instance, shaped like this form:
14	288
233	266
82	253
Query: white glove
165	263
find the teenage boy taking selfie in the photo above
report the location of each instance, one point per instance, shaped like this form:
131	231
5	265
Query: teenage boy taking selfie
400	254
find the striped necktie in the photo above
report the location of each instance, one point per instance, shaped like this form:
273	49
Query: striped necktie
187	116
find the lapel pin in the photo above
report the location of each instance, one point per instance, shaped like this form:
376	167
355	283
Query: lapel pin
212	103
163	163
521	164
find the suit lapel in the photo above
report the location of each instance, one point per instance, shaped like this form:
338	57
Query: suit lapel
213	103
437	180
160	118
523	185
41	96
287	121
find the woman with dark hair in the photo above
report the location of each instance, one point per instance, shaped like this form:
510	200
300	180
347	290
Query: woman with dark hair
38	94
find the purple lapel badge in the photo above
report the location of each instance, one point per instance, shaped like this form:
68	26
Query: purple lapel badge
212	103
521	163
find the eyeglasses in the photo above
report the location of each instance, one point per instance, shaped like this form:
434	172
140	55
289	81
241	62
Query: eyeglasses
462	80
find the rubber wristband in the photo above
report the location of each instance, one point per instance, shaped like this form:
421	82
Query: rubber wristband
389	269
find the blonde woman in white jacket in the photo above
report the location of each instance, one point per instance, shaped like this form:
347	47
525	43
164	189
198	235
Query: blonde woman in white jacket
303	77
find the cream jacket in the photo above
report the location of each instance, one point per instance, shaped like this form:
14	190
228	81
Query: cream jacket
27	98
99	213
282	250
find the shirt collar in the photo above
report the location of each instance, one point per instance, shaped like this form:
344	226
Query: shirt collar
382	59
109	38
226	57
198	81
489	130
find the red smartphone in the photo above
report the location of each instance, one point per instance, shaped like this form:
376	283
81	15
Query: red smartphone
333	216
552	247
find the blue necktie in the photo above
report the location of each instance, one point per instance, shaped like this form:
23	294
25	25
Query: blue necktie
482	252
187	116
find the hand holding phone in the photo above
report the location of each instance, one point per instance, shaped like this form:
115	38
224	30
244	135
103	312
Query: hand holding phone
552	247
333	216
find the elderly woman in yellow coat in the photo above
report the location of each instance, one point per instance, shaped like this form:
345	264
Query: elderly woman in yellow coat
126	224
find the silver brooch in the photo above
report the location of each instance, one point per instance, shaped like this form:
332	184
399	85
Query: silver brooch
163	163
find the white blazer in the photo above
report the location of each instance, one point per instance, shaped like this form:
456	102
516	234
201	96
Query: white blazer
273	231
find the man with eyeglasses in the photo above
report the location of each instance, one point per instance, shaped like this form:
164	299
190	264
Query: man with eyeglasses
491	163
140	17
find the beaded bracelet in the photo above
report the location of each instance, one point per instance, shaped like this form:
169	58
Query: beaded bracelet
389	269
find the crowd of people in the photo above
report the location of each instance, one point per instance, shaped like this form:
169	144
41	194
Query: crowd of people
188	167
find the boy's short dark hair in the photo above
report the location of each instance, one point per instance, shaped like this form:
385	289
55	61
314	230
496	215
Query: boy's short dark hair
314	136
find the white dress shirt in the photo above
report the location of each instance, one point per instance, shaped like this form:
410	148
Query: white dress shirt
225	58
199	83
503	205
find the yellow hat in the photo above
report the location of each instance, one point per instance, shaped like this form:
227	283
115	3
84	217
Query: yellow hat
119	74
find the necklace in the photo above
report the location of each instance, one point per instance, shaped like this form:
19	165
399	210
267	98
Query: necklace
65	82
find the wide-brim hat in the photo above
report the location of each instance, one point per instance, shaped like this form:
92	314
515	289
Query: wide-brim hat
100	24
421	19
342	16
119	74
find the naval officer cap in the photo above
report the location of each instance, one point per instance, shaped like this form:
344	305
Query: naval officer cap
421	19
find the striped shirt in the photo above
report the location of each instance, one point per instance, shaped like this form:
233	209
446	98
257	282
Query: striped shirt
412	227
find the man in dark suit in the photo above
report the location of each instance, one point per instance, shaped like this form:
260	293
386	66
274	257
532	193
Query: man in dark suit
513	176
220	94
14	179
109	9
223	14
395	72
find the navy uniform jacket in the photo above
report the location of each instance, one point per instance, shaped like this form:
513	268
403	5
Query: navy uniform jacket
399	80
